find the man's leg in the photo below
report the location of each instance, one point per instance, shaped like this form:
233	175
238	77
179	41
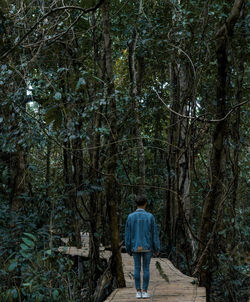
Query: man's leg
146	272
137	270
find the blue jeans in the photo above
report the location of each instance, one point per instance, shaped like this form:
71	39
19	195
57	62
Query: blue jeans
145	258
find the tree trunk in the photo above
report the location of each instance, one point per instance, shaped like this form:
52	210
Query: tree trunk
73	170
236	139
218	156
186	87
136	77
177	206
14	158
77	183
17	178
48	169
111	184
16	161
171	204
217	163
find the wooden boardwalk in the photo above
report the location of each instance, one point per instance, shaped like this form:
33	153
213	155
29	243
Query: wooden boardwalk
180	288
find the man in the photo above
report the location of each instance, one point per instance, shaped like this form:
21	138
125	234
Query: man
141	240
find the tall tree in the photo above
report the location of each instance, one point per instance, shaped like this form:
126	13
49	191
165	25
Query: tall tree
14	94
136	77
213	204
111	192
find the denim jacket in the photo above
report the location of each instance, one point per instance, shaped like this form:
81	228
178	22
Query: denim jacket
141	232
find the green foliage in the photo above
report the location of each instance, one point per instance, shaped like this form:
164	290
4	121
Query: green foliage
30	270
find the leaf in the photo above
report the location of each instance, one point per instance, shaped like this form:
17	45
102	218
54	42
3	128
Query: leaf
79	193
1	119
28	242
96	188
24	247
98	79
62	69
72	136
13	265
30	235
25	254
14	293
57	96
55	294
26	284
80	82
102	130
102	101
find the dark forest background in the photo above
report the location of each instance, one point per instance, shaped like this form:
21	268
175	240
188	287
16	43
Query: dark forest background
104	100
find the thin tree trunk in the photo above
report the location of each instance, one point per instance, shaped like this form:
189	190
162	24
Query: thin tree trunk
48	170
17	167
135	90
94	153
171	203
236	139
77	183
111	193
17	178
73	169
186	85
184	158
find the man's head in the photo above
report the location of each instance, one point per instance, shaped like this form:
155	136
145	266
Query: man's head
141	200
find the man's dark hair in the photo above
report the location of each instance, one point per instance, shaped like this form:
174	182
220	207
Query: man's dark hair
141	200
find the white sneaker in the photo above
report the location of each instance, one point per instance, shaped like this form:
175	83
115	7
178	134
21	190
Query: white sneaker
145	295
138	295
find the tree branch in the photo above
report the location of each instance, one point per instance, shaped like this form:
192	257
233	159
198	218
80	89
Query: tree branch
198	118
232	18
52	11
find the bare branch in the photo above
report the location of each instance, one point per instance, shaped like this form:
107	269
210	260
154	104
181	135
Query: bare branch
199	118
52	11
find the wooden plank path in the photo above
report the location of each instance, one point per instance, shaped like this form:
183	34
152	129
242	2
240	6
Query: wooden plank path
179	288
